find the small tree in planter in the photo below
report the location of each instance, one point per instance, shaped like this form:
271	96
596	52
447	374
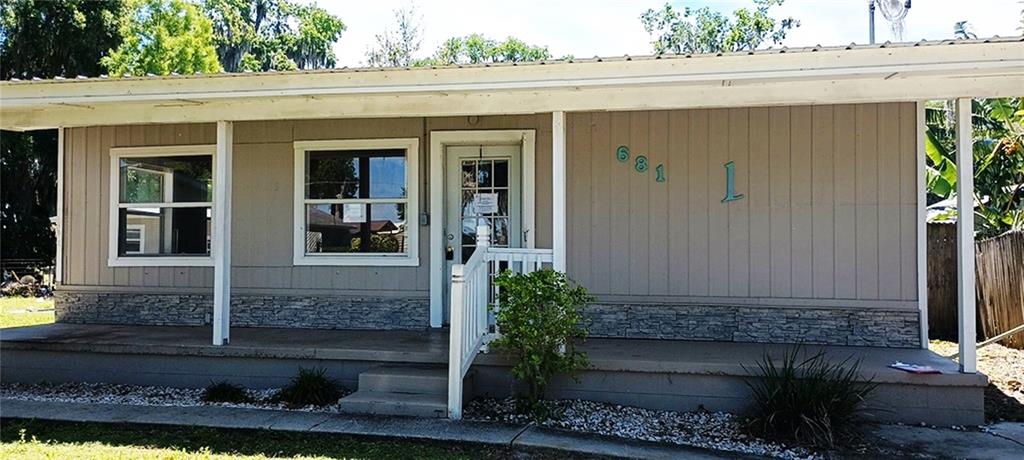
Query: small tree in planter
539	319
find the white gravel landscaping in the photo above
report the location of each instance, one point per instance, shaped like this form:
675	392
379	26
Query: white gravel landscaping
138	395
710	430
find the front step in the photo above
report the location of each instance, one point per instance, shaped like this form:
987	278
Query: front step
418	391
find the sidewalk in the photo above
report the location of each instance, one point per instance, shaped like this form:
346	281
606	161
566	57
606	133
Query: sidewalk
394	427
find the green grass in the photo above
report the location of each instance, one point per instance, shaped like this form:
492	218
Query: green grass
25	311
34	439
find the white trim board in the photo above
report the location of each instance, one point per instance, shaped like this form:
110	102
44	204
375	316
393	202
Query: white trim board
527	138
412	185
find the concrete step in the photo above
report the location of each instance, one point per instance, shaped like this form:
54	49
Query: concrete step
382	403
405	379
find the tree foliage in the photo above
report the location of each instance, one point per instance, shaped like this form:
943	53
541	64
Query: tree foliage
163	37
478	49
998	133
261	35
395	48
44	39
703	30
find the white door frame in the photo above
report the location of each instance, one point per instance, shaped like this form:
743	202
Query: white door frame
526	138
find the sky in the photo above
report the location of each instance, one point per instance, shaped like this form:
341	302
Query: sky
612	27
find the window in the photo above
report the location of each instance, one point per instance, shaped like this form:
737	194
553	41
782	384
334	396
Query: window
163	197
356	202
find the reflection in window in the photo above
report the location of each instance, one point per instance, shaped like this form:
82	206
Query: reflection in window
356	201
177	193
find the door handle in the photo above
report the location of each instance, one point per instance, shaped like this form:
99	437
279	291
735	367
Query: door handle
449	253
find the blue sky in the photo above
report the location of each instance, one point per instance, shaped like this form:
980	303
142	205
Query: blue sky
612	27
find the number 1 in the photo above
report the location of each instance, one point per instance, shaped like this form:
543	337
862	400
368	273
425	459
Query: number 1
730	183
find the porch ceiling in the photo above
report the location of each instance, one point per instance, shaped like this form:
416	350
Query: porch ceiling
878	73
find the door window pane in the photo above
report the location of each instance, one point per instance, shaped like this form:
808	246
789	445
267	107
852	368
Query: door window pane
351	174
356	228
177	179
161	231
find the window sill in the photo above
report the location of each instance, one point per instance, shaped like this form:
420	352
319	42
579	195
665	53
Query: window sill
160	262
357	261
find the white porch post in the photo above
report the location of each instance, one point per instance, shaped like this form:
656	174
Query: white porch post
558	240
965	236
58	269
221	237
922	226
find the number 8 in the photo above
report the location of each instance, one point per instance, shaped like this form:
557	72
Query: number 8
641	164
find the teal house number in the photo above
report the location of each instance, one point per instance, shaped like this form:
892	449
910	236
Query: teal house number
641	164
622	154
730	183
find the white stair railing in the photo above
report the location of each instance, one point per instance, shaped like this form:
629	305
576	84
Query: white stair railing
472	292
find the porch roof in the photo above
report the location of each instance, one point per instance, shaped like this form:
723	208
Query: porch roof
815	75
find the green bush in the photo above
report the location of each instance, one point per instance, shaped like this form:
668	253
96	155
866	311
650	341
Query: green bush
808	400
224	392
539	320
310	387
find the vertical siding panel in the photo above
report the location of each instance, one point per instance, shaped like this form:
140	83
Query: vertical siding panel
845	225
122	137
80	175
620	209
92	205
604	162
908	200
659	222
760	203
800	197
867	201
718	216
580	156
106	274
822	201
697	181
676	168
739	211
639	207
781	229
889	201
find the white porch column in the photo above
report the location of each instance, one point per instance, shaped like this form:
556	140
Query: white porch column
58	269
965	236
922	225
221	237
558	240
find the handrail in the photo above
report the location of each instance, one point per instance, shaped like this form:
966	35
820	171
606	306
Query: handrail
472	292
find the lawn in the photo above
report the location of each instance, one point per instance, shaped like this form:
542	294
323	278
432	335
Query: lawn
25	311
32	439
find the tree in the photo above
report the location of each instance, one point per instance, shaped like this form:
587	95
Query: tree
395	47
261	35
478	49
998	133
703	30
163	37
44	39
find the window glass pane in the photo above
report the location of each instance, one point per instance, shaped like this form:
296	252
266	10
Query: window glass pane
164	231
356	228
501	173
166	179
355	174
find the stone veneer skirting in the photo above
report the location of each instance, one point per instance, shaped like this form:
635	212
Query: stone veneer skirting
766	324
297	311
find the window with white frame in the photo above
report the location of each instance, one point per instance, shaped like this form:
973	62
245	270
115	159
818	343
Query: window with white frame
356	202
163	197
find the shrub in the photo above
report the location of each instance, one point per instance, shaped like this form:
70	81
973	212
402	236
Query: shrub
810	400
538	319
310	387
224	392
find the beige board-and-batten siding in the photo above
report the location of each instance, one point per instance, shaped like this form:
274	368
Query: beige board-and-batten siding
821	248
268	290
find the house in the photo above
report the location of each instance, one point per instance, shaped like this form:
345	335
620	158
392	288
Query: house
717	206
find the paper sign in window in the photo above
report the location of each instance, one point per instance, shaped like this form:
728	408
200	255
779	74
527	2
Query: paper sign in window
354	213
486	203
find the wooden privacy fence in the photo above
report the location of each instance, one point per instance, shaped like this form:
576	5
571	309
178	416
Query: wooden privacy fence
999	269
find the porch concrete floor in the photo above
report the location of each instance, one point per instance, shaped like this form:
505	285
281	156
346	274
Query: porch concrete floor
431	347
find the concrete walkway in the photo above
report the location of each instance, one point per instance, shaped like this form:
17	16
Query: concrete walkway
996	442
394	427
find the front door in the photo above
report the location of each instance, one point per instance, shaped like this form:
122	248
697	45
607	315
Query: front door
482	186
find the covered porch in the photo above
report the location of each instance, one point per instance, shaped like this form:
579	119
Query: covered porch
656	374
